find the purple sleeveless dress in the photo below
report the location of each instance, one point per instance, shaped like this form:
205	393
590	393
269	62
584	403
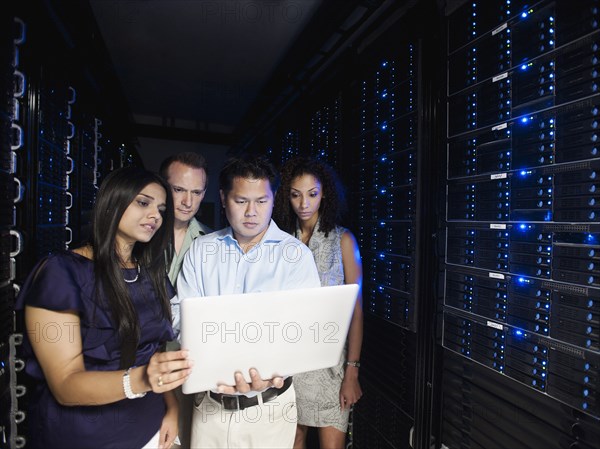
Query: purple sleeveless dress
65	281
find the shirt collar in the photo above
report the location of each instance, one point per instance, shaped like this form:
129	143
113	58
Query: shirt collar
273	235
194	228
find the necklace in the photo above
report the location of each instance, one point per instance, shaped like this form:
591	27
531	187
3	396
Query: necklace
131	281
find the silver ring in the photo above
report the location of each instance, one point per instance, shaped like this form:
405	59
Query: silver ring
160	381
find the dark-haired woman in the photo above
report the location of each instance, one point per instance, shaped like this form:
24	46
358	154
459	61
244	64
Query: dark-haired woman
308	205
96	320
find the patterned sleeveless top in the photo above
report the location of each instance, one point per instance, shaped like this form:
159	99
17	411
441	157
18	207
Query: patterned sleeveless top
327	253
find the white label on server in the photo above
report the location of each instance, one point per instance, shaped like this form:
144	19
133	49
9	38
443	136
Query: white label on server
496	275
500	77
497	226
500	28
499	127
495	325
498	176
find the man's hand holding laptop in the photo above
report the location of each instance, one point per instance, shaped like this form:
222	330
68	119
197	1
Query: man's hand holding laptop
256	384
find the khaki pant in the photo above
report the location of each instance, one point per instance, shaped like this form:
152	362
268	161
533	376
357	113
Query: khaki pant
270	425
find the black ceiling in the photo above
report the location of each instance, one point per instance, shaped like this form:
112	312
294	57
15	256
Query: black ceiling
197	63
208	70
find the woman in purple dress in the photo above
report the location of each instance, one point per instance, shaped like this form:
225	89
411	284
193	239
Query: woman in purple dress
97	318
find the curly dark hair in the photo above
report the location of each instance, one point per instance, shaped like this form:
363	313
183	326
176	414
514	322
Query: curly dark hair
332	204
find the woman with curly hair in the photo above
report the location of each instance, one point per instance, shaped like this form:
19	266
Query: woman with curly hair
308	205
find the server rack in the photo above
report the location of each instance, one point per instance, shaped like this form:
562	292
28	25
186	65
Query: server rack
54	149
385	195
284	144
6	207
325	132
365	119
290	144
521	298
42	113
517	226
12	37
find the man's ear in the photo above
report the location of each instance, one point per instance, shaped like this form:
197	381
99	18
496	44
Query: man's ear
222	195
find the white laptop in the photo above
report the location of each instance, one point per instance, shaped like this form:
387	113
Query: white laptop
280	333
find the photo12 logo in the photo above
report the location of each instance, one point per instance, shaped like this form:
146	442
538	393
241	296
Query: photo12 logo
270	331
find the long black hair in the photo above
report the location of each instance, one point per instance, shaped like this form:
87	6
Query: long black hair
116	193
332	204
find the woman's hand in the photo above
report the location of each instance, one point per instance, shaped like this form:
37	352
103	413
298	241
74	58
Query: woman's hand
168	428
168	370
350	392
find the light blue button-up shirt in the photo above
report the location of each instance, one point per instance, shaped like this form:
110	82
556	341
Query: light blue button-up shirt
216	265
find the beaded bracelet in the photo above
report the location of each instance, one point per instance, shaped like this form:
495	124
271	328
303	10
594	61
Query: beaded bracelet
127	387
